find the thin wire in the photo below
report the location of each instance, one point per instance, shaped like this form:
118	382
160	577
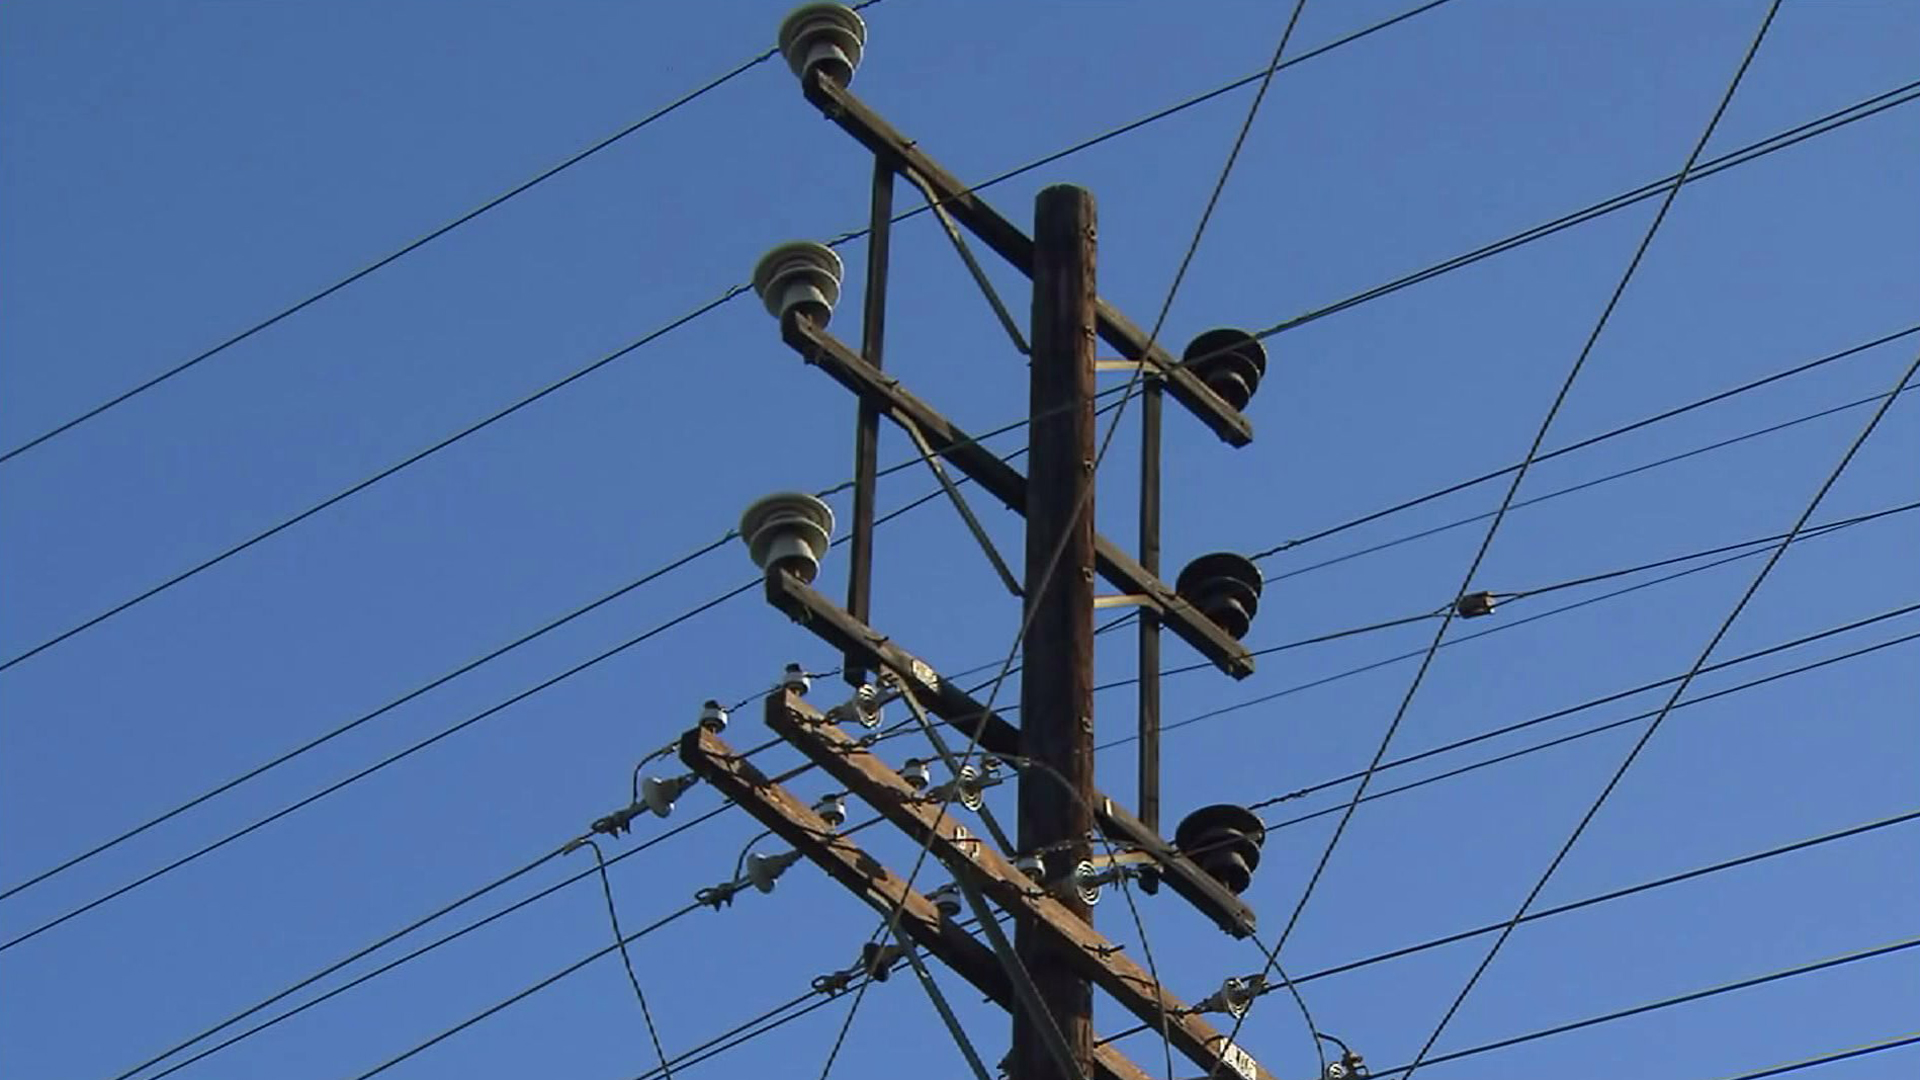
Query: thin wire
529	991
1622	893
335	733
1696	873
362	485
1607	699
1664	1003
1519	475
390	965
1595	439
1596	730
497	200
613	916
1388	661
1892	1043
1726	625
377	766
726	297
1832	121
1621	474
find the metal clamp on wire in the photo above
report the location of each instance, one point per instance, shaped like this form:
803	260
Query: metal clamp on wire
1235	996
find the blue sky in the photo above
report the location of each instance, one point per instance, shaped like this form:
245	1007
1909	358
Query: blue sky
174	172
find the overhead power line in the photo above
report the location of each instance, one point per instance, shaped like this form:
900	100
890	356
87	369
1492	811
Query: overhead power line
1698	872
389	939
1679	689
394	256
1655	1006
726	297
651	927
1613	433
1892	1043
1594	703
377	766
1519	476
1831	122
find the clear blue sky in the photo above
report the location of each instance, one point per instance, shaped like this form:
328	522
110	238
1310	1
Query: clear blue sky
171	172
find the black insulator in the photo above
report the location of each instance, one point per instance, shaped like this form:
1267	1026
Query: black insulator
1225	587
1230	362
1223	840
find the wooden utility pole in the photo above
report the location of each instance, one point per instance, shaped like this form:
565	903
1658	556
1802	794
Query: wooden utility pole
1056	697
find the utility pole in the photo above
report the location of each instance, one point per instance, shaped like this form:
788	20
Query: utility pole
1056	696
1048	877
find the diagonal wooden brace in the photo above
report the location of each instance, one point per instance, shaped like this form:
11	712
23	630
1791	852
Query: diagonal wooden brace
877	652
906	158
1092	954
773	806
1006	483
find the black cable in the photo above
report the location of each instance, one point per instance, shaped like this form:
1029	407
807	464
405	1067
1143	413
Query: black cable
263	324
1513	488
1726	625
613	916
1591	901
390	965
1658	563
1893	1043
1831	122
335	733
1413	654
1658	463
379	765
371	480
522	640
1600	438
1664	1003
1607	699
726	297
1622	893
1823	125
529	991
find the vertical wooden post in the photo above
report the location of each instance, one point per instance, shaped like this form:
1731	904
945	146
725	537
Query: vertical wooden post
1149	668
866	431
1056	699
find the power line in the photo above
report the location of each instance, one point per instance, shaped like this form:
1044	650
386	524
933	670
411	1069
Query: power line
362	485
1833	121
1558	714
1893	1043
1830	122
657	924
282	759
1513	488
725	298
1416	653
1494	475
385	260
319	740
1694	874
390	965
1663	1003
626	958
377	766
1726	625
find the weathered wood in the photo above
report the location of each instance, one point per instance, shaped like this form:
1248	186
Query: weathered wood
856	119
1004	482
866	425
995	734
1092	955
1056	685
790	818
